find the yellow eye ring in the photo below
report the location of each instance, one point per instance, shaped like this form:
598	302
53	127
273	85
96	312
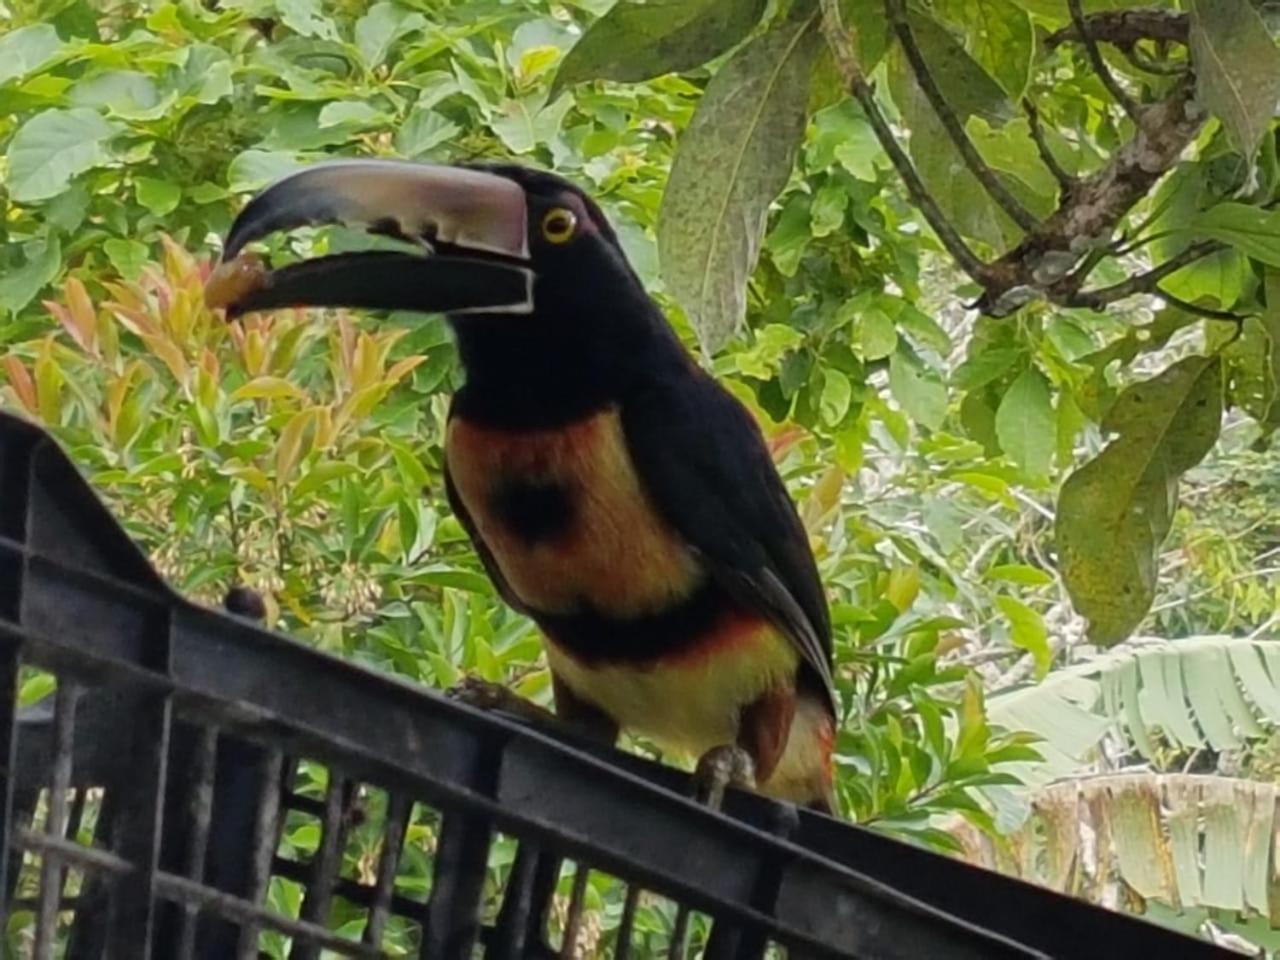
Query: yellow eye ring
559	225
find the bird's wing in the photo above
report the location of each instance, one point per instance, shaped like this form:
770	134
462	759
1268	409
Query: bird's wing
703	461
482	549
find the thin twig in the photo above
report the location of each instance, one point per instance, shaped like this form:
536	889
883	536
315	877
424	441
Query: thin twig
1161	68
1065	180
1073	281
1124	28
1125	246
1210	591
851	73
1142	282
1099	65
897	14
1209	313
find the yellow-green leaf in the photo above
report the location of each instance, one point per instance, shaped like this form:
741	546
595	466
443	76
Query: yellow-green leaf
267	388
1115	511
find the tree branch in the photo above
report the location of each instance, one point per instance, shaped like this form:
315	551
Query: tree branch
1086	219
1143	282
896	12
1066	182
1055	256
1099	65
1162	68
847	64
1124	28
1209	313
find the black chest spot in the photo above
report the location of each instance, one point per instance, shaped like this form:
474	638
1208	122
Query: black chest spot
533	511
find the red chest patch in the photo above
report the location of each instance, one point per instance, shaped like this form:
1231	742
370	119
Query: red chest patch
567	519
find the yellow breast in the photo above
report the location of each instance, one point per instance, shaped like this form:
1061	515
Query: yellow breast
687	702
613	551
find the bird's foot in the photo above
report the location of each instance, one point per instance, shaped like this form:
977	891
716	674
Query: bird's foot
484	695
720	767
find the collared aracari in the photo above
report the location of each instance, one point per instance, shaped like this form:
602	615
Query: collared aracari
615	492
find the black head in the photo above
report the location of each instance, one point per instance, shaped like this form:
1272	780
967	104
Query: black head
494	240
523	263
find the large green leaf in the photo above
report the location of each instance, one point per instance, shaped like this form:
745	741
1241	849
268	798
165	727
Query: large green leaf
1183	840
970	92
254	169
999	36
1027	631
1115	511
1252	230
378	29
54	146
1025	425
19	287
640	40
919	390
26	48
1195	693
729	166
1237	68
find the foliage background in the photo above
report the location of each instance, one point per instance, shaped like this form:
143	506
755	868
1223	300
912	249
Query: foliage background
926	444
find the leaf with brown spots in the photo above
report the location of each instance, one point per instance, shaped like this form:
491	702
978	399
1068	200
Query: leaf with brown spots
1115	511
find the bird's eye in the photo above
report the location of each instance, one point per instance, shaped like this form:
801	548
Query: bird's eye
558	225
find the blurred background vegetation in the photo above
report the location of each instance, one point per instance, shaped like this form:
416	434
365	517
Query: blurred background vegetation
926	442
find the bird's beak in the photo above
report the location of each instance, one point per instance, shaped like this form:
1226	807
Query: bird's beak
471	225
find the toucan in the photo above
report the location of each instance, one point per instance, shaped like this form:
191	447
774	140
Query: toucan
615	492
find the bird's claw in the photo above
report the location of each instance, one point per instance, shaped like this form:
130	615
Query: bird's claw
720	767
481	694
485	695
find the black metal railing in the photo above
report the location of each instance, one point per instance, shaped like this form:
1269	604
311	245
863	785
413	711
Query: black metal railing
142	804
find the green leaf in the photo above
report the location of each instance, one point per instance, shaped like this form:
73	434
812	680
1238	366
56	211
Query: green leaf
918	389
378	29
969	92
127	256
18	287
639	41
352	113
158	196
790	236
206	75
524	123
877	336
1115	511
1020	573
1251	354
966	86
925	330
837	392
1027	631
54	146
1025	424
982	368
267	388
1237	68
733	160
1000	38
843	135
306	18
35	688
25	49
128	94
1252	230
422	131
254	169
826	212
